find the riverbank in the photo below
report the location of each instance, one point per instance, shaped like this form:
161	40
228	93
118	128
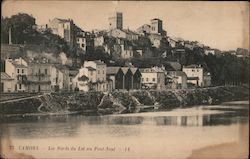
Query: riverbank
122	101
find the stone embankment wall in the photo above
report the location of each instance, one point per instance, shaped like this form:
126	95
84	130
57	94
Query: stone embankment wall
123	102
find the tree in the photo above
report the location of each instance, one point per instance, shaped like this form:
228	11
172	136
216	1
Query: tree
21	28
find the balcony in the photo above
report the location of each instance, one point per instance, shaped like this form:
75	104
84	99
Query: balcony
22	79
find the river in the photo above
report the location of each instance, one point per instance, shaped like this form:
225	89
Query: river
166	134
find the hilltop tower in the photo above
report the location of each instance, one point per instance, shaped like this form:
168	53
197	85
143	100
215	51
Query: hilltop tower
116	21
156	26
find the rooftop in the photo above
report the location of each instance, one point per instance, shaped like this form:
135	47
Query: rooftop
19	65
99	62
192	66
5	76
112	70
91	68
177	73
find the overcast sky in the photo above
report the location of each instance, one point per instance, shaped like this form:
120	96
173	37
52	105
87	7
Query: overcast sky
222	25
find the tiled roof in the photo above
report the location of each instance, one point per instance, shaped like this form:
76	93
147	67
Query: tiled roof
5	76
177	73
112	70
19	65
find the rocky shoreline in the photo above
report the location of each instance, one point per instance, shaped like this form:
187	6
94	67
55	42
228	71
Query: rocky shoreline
122	101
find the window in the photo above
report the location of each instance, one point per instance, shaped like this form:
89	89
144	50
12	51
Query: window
147	79
153	79
20	86
46	71
82	45
98	71
39	71
70	79
17	70
142	79
22	70
103	72
192	70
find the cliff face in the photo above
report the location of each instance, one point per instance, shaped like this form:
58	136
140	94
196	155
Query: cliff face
122	102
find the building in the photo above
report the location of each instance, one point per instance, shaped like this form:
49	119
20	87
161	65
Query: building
92	76
123	33
155	40
144	29
81	82
63	71
116	21
126	52
128	78
72	75
116	76
194	74
84	41
132	78
209	51
64	28
99	41
45	77
153	78
105	42
156	26
81	42
207	79
17	69
180	79
7	83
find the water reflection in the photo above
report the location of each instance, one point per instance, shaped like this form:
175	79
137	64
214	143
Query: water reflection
73	125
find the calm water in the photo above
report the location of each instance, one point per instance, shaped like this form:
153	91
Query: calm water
169	134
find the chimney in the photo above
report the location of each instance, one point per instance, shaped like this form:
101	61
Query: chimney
10	42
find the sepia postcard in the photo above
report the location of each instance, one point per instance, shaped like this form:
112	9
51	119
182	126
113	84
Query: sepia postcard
124	80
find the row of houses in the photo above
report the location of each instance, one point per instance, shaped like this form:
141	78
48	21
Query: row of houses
39	75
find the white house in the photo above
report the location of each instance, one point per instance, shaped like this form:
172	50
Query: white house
18	70
194	74
92	76
153	78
